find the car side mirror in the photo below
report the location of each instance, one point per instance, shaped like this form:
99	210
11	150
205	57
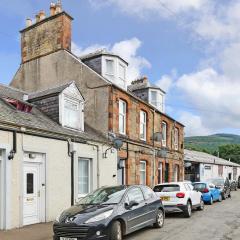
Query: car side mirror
217	187
131	204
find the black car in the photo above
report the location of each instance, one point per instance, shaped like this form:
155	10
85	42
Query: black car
224	185
110	213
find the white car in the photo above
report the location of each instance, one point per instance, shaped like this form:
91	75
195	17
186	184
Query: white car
179	197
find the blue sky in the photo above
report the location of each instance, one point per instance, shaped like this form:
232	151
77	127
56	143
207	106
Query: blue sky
188	47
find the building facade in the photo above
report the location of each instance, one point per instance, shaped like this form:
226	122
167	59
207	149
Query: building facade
200	166
46	165
153	142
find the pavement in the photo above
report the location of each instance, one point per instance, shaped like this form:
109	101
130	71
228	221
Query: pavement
221	221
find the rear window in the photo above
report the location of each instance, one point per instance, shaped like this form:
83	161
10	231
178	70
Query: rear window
167	188
199	186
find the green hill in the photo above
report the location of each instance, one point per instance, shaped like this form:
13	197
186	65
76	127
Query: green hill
210	143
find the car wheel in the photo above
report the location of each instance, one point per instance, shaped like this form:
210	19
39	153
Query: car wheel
159	219
220	198
211	201
201	207
224	196
116	231
229	195
188	210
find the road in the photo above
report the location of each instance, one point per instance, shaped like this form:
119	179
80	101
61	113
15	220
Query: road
221	221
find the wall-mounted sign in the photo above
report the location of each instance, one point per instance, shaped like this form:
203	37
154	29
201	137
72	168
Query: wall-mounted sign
207	167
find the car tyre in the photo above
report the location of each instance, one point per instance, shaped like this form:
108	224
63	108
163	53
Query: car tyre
201	207
224	196
211	201
220	198
229	195
159	219
116	231
188	210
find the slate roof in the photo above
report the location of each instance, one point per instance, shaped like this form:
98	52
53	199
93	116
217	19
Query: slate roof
55	90
141	84
201	157
37	120
6	91
100	52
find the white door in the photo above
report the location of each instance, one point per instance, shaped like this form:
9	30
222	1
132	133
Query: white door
31	193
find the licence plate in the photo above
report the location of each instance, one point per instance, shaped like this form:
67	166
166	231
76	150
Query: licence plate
64	238
165	198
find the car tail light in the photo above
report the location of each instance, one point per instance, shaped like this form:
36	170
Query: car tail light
180	195
205	190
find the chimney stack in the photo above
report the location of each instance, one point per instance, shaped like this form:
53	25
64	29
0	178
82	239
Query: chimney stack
28	22
42	15
52	9
58	8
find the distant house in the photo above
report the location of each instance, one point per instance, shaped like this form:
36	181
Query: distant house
200	166
153	141
49	157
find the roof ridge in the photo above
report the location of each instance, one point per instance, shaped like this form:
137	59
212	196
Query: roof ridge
12	88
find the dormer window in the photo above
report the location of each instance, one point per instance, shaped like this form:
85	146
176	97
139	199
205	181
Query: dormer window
156	98
72	113
110	68
122	74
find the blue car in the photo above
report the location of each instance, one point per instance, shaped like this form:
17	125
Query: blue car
210	193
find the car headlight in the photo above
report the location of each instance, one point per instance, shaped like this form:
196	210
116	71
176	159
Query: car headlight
58	218
100	217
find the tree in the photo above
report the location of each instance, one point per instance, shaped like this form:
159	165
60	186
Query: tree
230	151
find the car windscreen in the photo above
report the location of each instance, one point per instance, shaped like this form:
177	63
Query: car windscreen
167	188
199	186
217	181
110	195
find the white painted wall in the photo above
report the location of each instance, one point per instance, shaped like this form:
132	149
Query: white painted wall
58	172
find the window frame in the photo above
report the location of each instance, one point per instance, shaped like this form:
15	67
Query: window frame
124	115
112	75
144	124
145	171
176	139
89	177
164	141
160	169
80	105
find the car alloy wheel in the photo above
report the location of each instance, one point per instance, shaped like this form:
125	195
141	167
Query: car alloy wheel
188	211
159	219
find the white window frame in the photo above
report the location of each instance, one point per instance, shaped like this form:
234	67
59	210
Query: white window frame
111	75
176	138
160	102
122	80
124	116
143	125
89	176
145	171
80	126
164	141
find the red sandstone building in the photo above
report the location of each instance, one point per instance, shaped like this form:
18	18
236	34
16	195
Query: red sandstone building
153	141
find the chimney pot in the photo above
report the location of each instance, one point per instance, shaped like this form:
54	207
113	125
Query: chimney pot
28	22
37	18
42	15
58	8
52	9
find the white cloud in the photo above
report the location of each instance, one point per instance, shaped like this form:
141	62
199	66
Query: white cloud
127	49
167	81
142	8
194	125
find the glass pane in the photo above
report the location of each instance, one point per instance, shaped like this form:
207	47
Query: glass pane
30	182
121	71
72	114
83	176
135	195
164	131
110	67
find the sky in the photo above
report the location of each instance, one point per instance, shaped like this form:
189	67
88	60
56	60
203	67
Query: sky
189	48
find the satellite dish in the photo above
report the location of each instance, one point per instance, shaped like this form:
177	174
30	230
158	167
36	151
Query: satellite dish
117	143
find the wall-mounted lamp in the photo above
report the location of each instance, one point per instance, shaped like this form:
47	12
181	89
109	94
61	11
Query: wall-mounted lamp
11	155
